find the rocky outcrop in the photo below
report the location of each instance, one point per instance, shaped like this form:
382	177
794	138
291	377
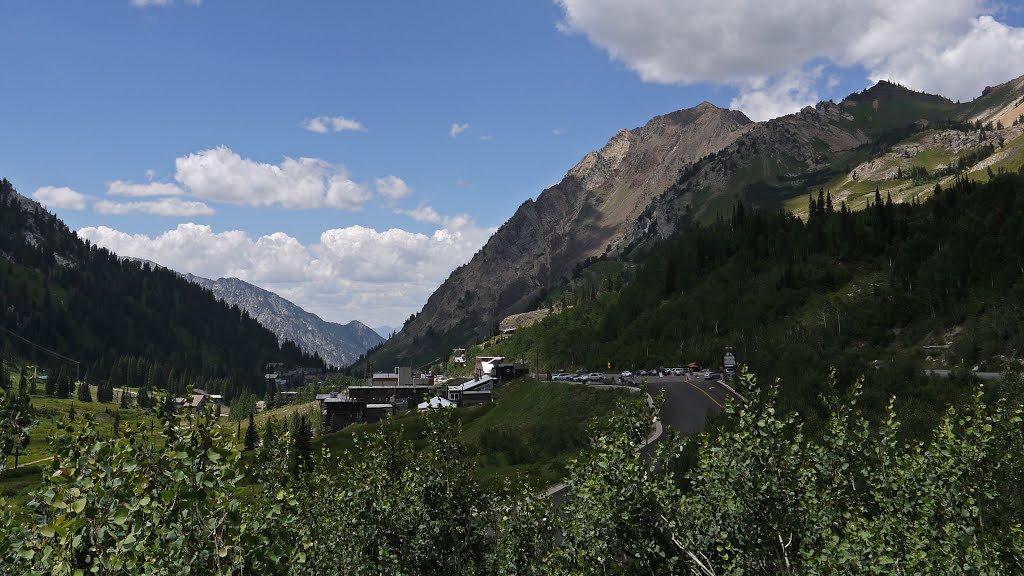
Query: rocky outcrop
647	183
587	214
767	158
337	344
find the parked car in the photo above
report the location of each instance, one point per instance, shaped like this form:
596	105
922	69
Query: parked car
626	374
595	377
678	372
580	378
713	375
642	373
561	376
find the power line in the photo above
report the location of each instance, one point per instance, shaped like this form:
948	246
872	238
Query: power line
43	348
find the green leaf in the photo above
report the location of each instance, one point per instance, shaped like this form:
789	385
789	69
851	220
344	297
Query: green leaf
78	505
121	516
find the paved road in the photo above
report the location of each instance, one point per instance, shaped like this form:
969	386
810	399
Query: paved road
688	401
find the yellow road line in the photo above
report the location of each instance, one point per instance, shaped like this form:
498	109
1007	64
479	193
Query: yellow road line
704	392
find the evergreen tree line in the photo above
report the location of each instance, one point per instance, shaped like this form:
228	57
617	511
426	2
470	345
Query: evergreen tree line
842	289
88	303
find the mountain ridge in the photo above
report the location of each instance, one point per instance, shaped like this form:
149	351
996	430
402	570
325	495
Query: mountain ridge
582	216
338	344
649	183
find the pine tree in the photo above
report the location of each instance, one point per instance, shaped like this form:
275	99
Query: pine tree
168	403
302	457
143	398
116	378
84	394
268	432
124	397
105	392
51	383
250	435
117	422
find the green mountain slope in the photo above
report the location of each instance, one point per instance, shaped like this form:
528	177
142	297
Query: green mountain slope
86	303
860	291
887	137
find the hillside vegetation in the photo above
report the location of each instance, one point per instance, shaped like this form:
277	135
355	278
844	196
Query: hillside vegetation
105	312
527	435
860	291
758	497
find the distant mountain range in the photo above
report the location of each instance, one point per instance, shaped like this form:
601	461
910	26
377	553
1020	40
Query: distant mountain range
337	344
83	302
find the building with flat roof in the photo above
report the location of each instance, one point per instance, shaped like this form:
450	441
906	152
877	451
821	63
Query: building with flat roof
476	391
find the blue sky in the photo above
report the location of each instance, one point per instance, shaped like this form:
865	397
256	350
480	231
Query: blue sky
350	155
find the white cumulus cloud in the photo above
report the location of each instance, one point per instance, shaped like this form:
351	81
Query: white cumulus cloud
122	188
324	124
379	277
392	188
220	174
60	197
457	129
765	99
160	207
954	48
423	214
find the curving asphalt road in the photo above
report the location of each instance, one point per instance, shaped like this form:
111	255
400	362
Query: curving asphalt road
688	401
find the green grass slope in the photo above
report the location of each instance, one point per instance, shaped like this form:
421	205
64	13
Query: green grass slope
526	435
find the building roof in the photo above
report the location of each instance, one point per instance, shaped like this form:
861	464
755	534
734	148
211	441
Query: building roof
472	384
368	406
338	399
434	403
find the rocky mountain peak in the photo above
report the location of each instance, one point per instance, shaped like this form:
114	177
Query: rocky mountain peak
593	170
587	214
337	344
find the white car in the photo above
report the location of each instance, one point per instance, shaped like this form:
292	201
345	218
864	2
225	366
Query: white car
595	377
626	374
561	376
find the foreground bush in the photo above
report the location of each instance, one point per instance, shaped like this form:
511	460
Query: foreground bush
756	497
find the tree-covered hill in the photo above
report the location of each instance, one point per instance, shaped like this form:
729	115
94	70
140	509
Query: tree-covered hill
87	303
862	291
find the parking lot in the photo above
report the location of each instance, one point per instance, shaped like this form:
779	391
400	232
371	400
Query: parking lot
688	398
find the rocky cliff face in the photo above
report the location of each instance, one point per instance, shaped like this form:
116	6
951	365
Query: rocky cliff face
587	214
765	160
337	344
693	165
